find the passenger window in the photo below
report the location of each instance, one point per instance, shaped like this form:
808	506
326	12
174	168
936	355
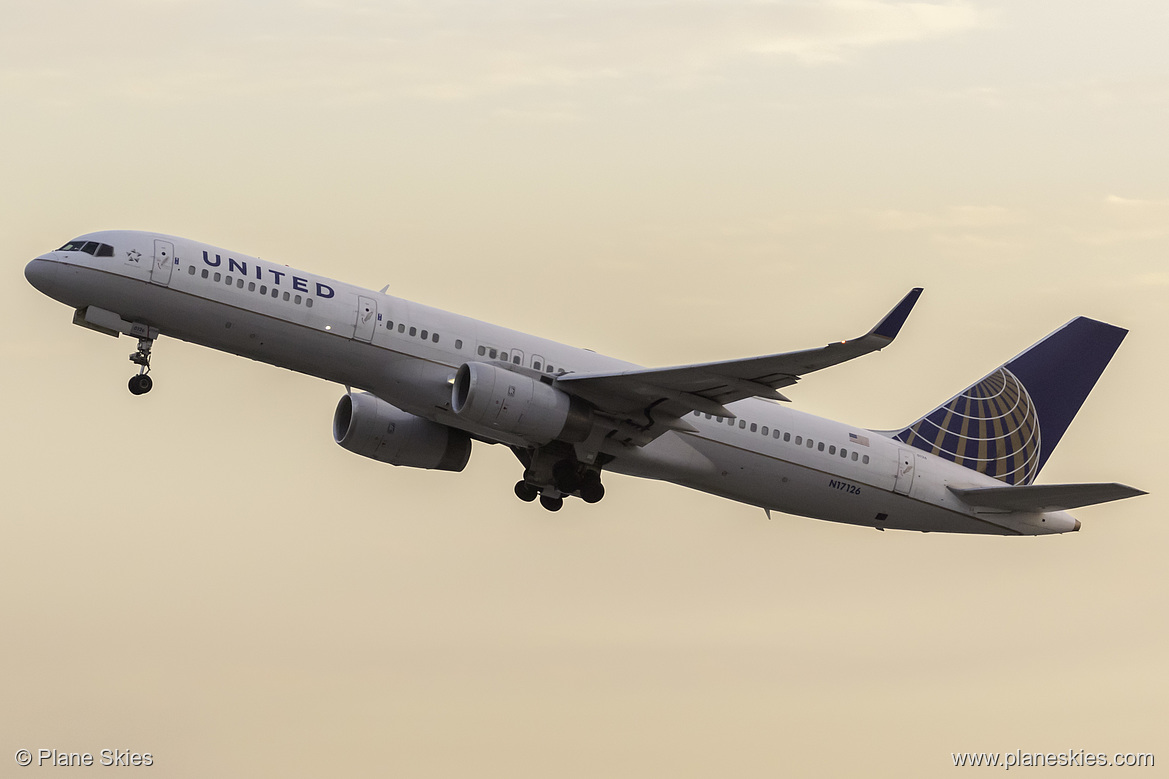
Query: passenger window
719	420
503	356
493	353
297	300
434	337
843	452
401	328
458	343
251	286
754	427
390	326
831	449
240	283
227	281
275	292
788	437
191	270
204	273
287	296
516	360
810	443
764	430
820	447
425	335
263	289
799	440
482	351
854	457
865	459
413	331
308	303
218	277
537	365
548	369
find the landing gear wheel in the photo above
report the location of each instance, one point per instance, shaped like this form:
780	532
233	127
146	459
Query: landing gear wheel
592	493
566	477
591	490
140	384
552	504
526	492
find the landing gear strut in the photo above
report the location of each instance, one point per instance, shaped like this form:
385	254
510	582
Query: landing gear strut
141	384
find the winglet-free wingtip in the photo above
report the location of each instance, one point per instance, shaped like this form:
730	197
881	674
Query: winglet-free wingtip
890	326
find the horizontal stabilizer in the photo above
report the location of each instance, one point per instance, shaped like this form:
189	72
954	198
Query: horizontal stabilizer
1045	497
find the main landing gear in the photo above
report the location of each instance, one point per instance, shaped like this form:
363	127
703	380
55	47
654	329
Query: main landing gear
141	384
564	478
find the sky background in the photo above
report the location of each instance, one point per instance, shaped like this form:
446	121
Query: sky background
202	574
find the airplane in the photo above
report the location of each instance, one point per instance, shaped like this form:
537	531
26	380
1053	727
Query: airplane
423	383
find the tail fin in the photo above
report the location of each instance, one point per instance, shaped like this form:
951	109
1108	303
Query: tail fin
1008	424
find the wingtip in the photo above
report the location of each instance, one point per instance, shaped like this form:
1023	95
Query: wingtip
890	326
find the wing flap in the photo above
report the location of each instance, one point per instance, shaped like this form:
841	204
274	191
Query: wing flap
1045	497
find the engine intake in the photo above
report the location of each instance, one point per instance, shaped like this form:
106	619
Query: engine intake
515	403
367	425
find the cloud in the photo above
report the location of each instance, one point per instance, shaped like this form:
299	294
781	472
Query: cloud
1131	202
339	50
944	220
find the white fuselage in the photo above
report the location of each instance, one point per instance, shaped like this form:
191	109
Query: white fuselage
407	354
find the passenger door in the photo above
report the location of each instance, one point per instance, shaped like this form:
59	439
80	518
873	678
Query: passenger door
905	471
160	269
366	319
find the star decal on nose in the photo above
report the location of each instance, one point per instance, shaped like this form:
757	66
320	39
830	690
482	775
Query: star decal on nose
133	255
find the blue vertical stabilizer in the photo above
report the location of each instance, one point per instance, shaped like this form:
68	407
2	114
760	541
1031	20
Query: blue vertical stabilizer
1007	424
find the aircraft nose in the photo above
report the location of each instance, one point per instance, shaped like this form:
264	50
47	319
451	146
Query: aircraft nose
40	273
1077	527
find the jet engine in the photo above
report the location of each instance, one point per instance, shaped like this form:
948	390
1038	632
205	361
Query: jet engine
367	425
518	404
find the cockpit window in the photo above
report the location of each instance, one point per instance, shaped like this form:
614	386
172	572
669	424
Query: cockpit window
89	247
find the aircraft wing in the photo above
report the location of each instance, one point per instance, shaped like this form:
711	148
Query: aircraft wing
647	395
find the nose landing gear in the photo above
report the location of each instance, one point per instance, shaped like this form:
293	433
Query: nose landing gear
142	383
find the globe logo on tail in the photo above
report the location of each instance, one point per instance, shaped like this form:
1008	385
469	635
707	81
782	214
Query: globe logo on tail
992	428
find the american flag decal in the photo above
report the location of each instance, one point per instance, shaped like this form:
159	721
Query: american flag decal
858	440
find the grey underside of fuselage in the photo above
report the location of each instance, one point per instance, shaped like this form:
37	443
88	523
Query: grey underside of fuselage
777	484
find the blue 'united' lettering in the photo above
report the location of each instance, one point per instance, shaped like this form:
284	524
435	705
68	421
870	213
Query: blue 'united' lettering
298	283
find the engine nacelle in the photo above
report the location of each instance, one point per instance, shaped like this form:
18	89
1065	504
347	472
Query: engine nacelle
367	425
518	404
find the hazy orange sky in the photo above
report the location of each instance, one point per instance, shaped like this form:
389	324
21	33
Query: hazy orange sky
202	574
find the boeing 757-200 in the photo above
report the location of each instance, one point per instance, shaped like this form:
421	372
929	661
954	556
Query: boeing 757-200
423	383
